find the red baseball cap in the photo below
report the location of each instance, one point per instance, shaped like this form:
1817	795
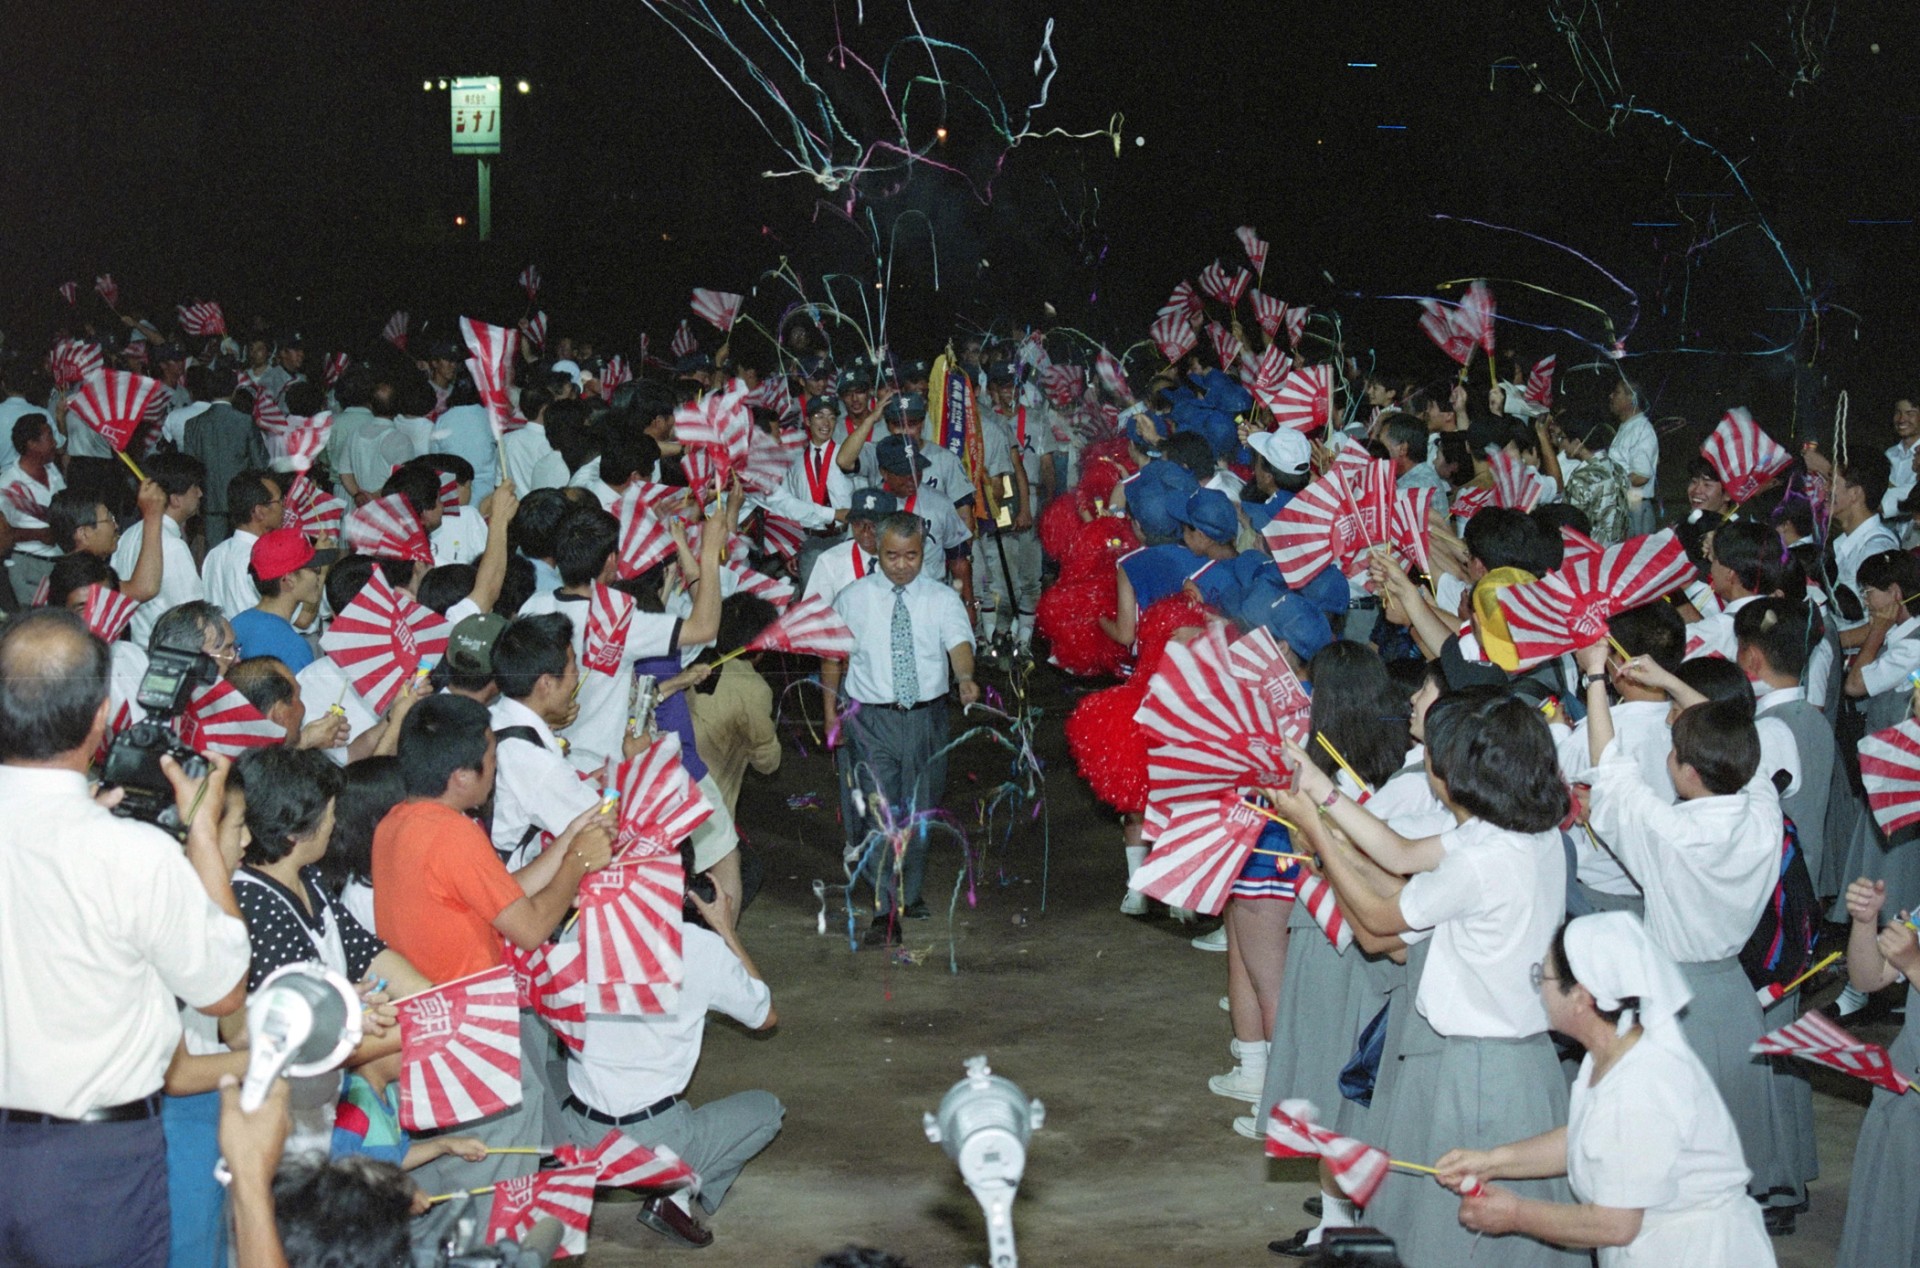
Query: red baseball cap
280	552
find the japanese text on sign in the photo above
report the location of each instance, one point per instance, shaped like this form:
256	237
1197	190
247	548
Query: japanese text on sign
476	115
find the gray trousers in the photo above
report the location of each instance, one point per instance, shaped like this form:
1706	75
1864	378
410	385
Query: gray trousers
893	755
716	1140
990	580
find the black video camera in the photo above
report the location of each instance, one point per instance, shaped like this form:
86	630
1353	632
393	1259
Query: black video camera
133	760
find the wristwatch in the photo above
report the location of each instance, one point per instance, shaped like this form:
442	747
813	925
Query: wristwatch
1588	680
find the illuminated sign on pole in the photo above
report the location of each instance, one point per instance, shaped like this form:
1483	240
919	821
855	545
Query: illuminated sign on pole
476	115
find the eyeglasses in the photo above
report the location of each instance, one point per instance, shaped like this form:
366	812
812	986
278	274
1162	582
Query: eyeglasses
226	654
1539	974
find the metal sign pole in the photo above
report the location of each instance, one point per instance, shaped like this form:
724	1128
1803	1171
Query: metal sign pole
486	199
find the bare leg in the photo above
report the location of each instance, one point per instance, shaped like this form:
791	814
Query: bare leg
1261	926
1243	1000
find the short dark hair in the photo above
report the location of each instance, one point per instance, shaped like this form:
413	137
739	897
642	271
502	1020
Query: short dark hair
529	649
1698	468
518	586
628	454
1458	453
743	617
304	399
1190	449
1495	756
441	736
586	539
77	570
446	585
1752	552
1888	569
1782	631
1653	629
1797	513
1551	517
69	511
350	1212
265	681
1869	468
177	473
1404	429
1500	537
354	388
26	429
186	627
346	579
1718	739
418	485
369	789
447	464
53	678
536	525
287	794
249	490
1359	709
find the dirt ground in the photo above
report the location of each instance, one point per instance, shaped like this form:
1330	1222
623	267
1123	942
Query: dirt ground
1112	1022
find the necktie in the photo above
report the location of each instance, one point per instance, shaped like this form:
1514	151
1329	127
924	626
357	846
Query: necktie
906	680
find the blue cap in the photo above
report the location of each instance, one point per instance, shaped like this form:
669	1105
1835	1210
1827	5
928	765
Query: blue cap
1218	428
693	363
1210	511
900	455
817	366
872	504
1328	591
1000	374
824	401
906	405
855	379
1288	616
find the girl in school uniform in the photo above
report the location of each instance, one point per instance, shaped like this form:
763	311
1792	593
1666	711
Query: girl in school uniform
1470	1059
1883	1200
1649	1147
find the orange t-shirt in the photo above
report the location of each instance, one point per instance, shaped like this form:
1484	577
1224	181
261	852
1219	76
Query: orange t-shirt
437	887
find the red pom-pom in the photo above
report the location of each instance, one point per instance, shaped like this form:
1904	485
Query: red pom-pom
1102	467
1059	524
1108	746
1157	625
1069	617
1097	548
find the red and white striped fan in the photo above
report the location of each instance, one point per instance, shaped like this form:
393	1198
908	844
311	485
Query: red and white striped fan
684	344
624	1163
387	528
1469	502
1460	329
74	361
1208	730
1199	852
564	1194
660	805
107	612
720	425
1570	608
1112	377
551	980
1358	1168
783	536
609	617
808	628
1183	303
395	331
381	638
1371	496
218	719
315	513
1255	247
158	407
1303	400
1295	320
333	367
1216	283
1269	312
1476	315
1516	486
644	540
114	403
491	364
459	1050
1818	1039
719	309
69	291
1267	375
268	413
630	927
449	493
1539	388
1064	384
616	374
536	330
1410	530
1890	771
1226	345
1258	659
1317	897
530	282
23	500
769	456
1744	456
1313	531
775	590
1173	335
202	320
773	395
1350	457
1576	546
106	288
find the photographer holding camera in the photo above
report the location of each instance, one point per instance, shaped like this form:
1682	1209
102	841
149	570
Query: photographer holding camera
104	921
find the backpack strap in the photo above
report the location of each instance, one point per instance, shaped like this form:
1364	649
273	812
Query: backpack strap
485	815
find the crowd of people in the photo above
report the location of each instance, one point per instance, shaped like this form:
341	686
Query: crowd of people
1509	919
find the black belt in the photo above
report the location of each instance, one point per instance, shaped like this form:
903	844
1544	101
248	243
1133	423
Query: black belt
660	1106
1367	604
131	1112
906	708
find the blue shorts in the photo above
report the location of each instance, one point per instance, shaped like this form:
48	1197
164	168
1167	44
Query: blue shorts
1263	876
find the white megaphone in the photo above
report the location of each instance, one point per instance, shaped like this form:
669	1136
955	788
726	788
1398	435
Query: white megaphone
984	1123
303	1020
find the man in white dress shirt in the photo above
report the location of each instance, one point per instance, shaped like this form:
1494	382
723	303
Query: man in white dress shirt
26	490
1900	457
909	631
1857	488
106	924
256	508
536	793
183	478
1636	449
815	491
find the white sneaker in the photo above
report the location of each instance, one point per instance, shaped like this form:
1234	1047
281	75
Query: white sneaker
1226	1005
1215	941
1134	904
1248	1128
1239	1084
1183	915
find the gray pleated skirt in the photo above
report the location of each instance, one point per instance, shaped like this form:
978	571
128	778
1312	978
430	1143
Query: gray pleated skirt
1792	1108
1326	996
1721	1024
1437	1093
1883	1200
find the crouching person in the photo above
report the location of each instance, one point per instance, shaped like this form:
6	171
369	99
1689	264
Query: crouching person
634	1070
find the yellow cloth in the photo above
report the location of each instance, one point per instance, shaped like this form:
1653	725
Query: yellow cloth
1496	644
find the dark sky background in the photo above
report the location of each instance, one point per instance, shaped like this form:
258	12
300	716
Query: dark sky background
284	160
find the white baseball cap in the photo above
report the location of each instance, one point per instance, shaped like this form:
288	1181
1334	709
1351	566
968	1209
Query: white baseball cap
1284	449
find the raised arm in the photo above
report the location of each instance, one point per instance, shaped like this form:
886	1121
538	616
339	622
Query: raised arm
144	583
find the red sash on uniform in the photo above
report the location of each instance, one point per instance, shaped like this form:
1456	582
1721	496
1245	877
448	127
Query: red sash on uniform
859	565
816	478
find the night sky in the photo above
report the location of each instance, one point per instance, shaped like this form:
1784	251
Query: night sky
285	160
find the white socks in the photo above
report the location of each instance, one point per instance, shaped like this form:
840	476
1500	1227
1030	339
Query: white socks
1136	855
1850	1001
1335	1212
